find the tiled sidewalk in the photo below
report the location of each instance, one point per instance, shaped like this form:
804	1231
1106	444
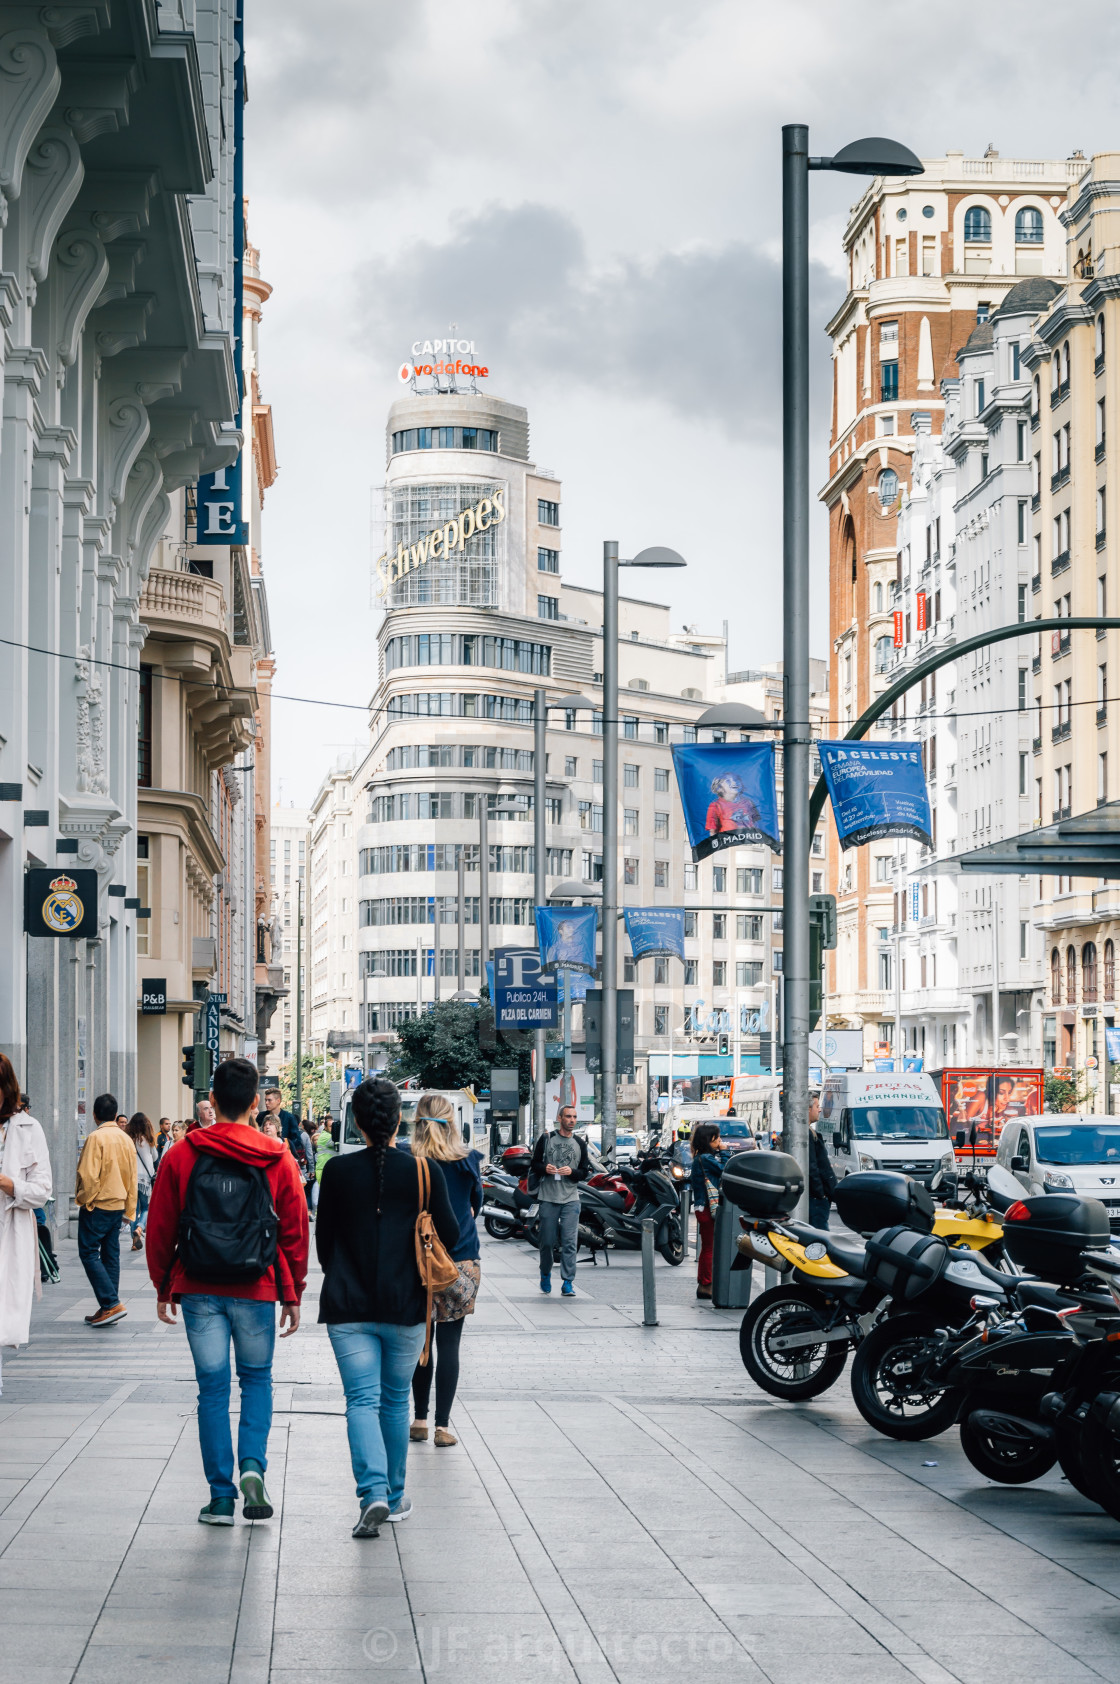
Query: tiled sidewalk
623	1505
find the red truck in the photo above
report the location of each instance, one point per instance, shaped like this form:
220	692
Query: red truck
986	1098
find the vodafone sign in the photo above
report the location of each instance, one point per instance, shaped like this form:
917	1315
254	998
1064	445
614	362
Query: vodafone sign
441	359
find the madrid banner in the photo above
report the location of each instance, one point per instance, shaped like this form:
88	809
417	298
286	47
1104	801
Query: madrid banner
877	790
566	935
655	929
728	793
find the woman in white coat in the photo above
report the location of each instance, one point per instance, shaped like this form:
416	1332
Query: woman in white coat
25	1184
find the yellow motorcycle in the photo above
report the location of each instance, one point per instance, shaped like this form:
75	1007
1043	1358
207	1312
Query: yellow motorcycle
795	1337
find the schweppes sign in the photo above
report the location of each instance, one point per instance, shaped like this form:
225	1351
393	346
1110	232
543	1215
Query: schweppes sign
442	542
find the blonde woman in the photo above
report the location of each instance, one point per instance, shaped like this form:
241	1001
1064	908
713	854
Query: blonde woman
435	1135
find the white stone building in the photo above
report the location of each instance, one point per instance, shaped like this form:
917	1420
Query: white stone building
290	848
117	128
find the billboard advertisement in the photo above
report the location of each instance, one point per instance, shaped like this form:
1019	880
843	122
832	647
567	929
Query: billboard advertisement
655	929
876	790
567	937
987	1098
729	795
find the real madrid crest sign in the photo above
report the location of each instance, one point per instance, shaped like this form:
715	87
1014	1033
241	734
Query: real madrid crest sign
60	903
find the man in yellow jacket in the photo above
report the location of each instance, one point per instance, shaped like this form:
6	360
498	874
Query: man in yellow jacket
106	1192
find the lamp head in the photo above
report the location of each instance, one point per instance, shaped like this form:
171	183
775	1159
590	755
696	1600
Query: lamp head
656	556
874	156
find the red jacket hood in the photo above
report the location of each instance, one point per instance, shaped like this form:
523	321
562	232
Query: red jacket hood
236	1140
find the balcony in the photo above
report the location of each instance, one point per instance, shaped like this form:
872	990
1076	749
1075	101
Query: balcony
1036	583
1059	394
1102	714
1098	454
1060	478
181	602
1098	365
1060	562
1101	538
1060	732
1036	501
1036	745
1036	663
1034	421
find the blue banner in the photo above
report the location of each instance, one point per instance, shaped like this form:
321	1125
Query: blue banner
1112	1045
220	510
877	790
524	998
566	935
655	929
728	793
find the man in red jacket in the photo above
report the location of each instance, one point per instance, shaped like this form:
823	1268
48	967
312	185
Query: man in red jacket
245	1235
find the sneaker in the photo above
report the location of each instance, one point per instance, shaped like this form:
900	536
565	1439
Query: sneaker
103	1317
371	1519
568	1290
257	1505
445	1438
219	1512
401	1512
546	1283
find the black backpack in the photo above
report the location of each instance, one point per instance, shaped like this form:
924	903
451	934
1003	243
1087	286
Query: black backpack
228	1230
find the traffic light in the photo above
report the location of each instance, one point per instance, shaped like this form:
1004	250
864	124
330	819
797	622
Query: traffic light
188	1066
822	936
724	1045
203	1069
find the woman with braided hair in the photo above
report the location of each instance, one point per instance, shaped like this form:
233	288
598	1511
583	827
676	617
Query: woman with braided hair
372	1301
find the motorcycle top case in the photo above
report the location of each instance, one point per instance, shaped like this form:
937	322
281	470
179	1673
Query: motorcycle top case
1046	1235
905	1263
763	1183
877	1198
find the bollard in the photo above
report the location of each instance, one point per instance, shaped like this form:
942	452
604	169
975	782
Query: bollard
649	1288
686	1218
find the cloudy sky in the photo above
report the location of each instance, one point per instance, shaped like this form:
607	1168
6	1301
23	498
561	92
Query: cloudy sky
590	190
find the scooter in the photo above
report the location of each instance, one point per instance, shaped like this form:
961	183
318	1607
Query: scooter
615	1203
509	1210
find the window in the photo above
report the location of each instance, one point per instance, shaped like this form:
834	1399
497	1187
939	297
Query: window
719	926
660	970
777	877
1102	778
630	727
977	226
548	561
1023	671
1022	774
144	732
883	653
596	771
1028	227
548	608
1109	971
884	865
548	514
748	973
888	382
661	1020
690	973
630	872
627	967
630	776
630	821
1022	604
979	396
1100	512
719	879
661	874
661	778
661	834
748	880
887	488
690	923
719	973
591	816
779	960
571	766
1016	364
445	438
983	309
592	867
885	970
983	464
748	926
888	341
661	734
689	877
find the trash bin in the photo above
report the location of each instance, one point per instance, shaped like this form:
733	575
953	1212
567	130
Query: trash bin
731	1273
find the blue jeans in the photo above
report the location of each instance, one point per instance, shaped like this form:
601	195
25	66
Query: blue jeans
376	1361
142	1201
99	1249
211	1323
818	1212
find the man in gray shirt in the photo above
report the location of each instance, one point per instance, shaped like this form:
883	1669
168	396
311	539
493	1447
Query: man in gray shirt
559	1164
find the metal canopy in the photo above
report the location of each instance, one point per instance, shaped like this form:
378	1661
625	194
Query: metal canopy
1087	845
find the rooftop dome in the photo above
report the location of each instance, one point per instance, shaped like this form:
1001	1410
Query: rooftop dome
980	339
1028	298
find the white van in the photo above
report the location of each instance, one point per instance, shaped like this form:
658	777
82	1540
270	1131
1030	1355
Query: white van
885	1121
1065	1153
474	1131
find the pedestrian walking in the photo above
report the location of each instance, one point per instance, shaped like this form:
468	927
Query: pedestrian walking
163	1138
436	1136
227	1240
822	1176
373	1301
25	1186
559	1163
286	1123
708	1159
307	1168
178	1132
106	1192
143	1137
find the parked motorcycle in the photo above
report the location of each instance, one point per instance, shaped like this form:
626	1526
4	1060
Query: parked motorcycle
614	1203
509	1210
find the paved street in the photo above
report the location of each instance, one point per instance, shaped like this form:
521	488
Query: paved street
623	1505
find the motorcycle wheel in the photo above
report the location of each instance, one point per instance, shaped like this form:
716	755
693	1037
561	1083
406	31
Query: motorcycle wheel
498	1228
671	1246
1067	1433
795	1375
881	1387
1002	1459
1100	1460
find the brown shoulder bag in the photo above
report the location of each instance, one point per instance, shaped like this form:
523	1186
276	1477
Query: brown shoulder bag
437	1270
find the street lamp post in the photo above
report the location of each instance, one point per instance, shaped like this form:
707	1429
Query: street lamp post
540	861
656	556
567	892
862	157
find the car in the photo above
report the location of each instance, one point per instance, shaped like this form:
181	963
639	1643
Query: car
1065	1152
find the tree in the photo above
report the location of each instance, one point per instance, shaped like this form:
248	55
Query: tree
1061	1093
454	1046
316	1092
